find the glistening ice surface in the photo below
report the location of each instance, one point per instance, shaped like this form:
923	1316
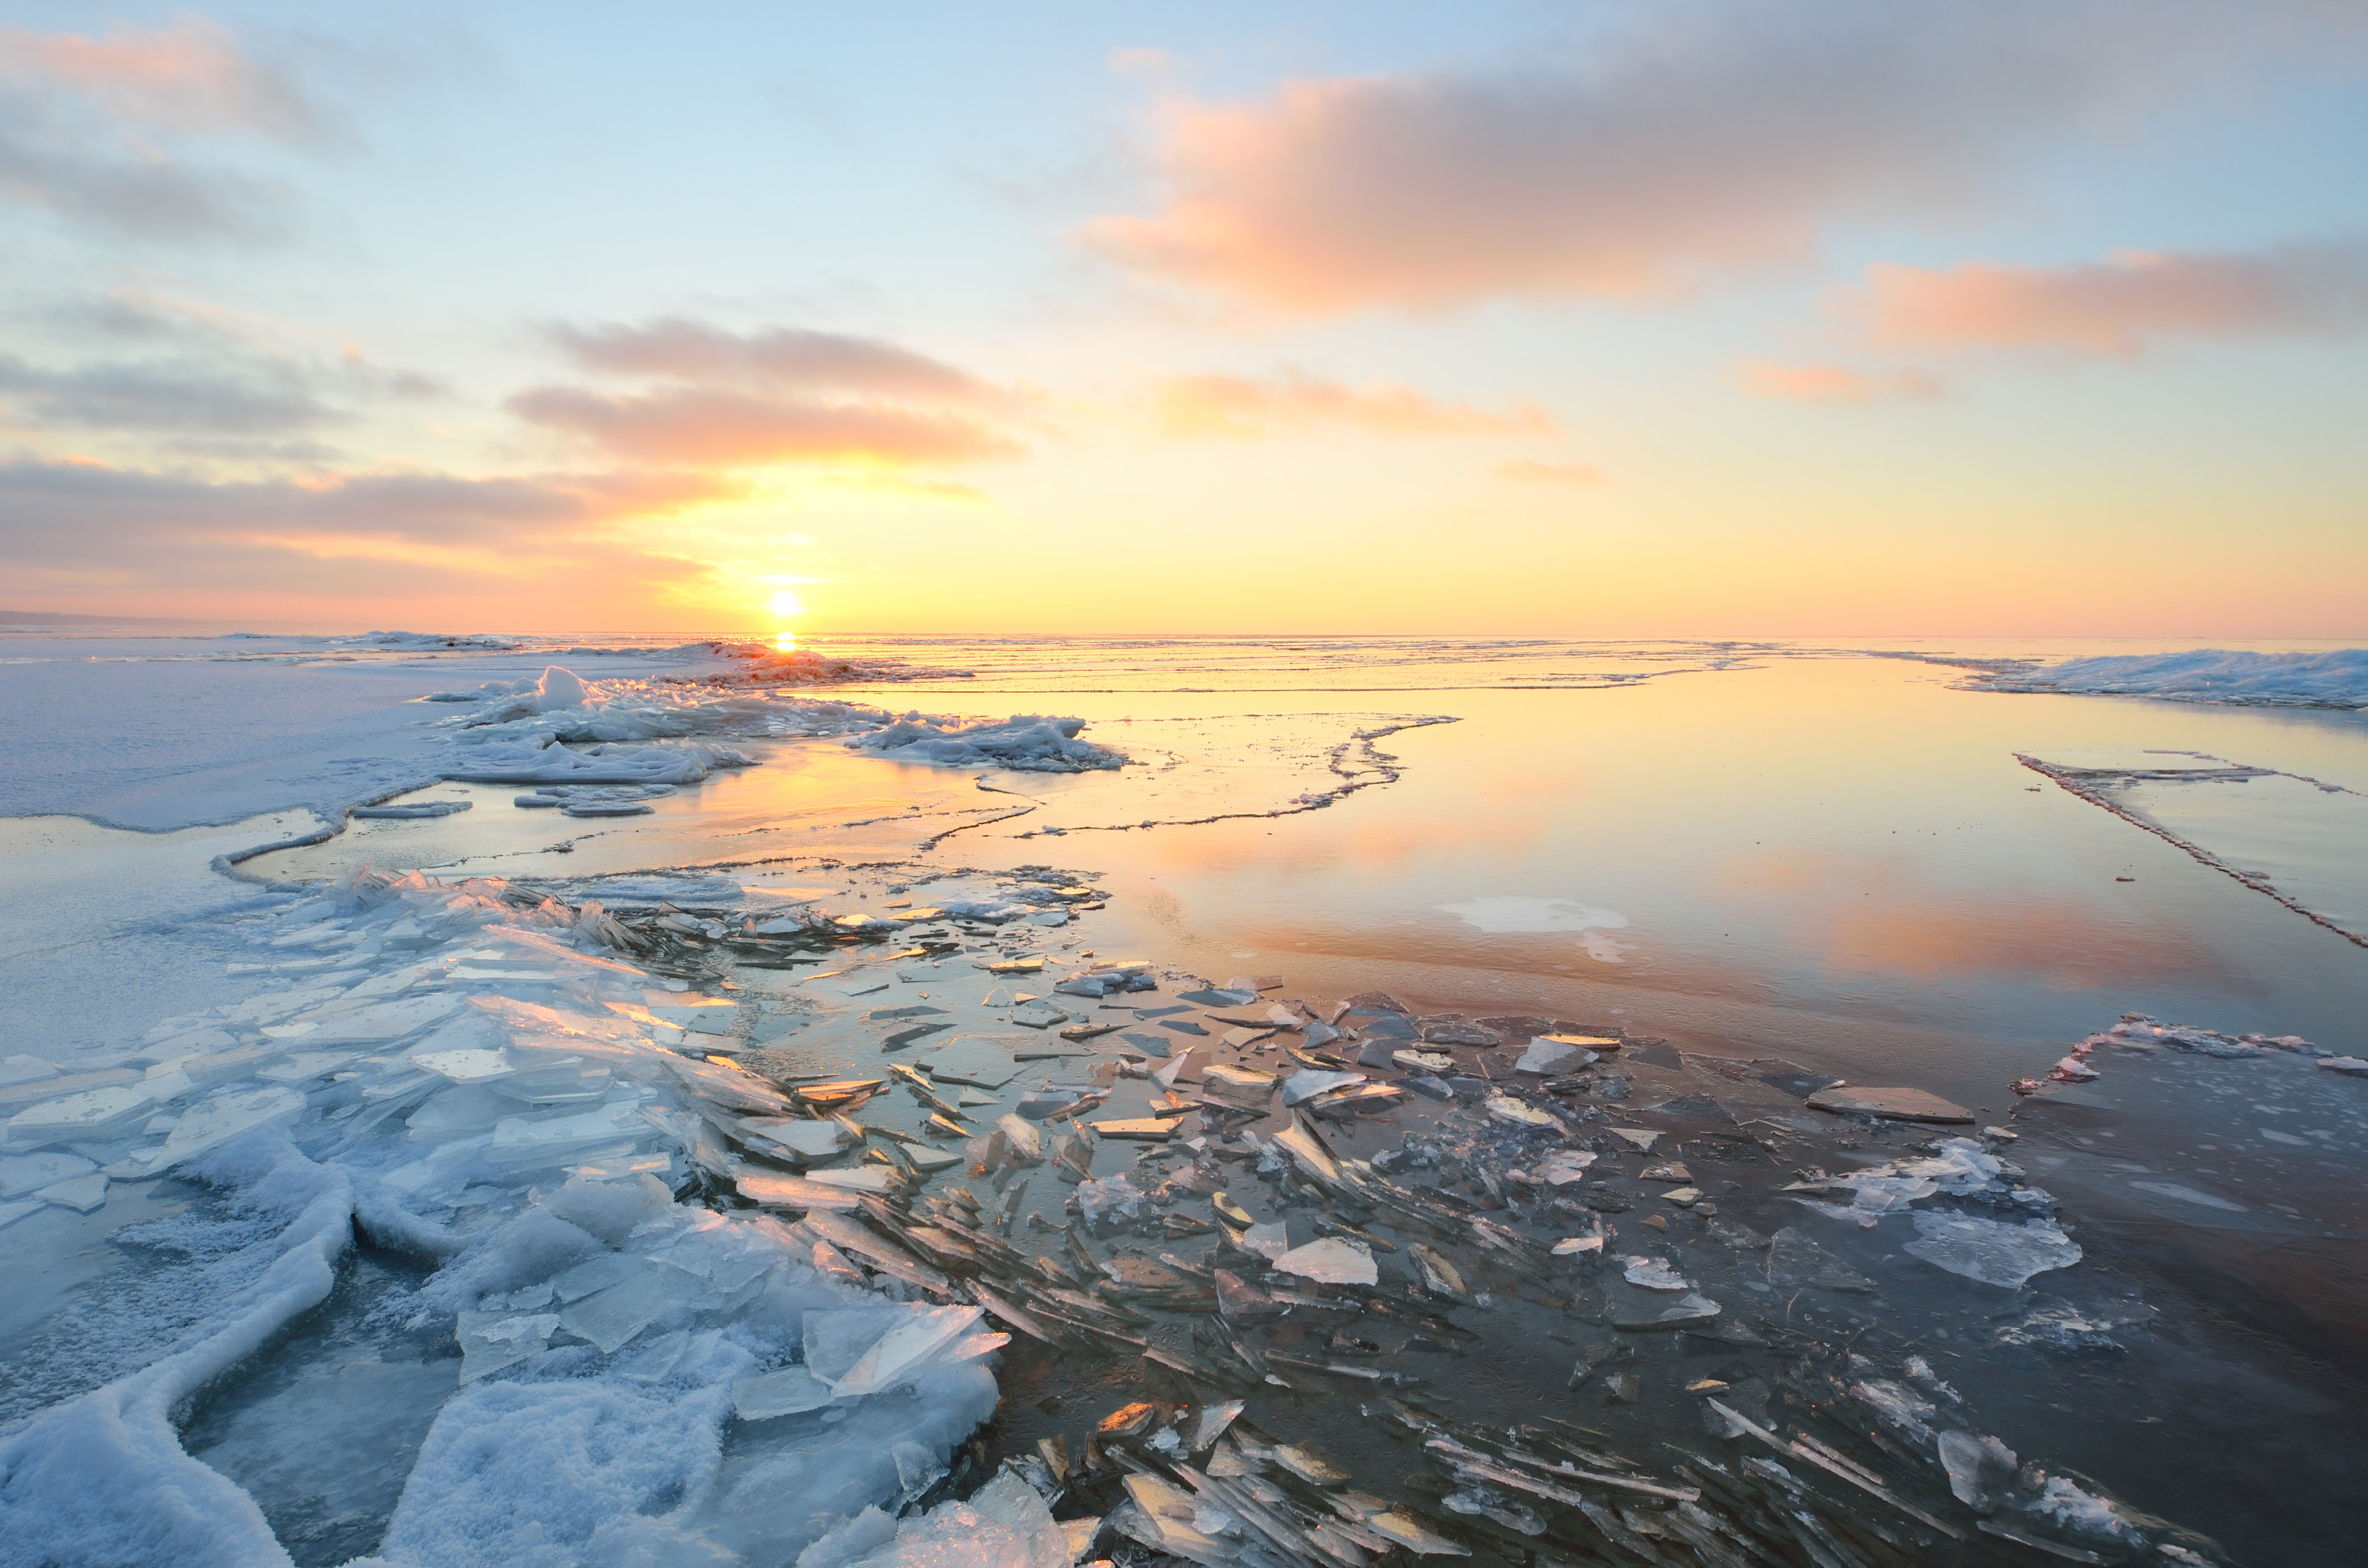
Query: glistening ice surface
478	1174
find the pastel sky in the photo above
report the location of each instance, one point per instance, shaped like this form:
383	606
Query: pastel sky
1689	317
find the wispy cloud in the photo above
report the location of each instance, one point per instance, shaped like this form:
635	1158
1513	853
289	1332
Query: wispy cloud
688	350
1838	383
725	428
2118	308
1711	139
191	379
1294	402
111	133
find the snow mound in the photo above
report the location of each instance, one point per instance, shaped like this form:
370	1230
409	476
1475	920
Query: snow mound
2336	679
1029	743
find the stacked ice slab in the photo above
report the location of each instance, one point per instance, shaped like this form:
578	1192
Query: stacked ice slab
483	1082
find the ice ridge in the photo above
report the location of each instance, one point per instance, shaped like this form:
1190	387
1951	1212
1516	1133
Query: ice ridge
2333	679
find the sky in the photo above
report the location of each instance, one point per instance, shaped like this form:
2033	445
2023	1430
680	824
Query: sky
1751	318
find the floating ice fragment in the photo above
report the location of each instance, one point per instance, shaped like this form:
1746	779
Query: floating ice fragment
611	1318
1561	1166
1548	1055
1896	1104
1653	1274
1650	1314
1518	1113
82	1194
1992	1251
28	1172
1334	1260
1269	1241
1114	1197
1978	1467
90	1114
2189	1195
1309	1082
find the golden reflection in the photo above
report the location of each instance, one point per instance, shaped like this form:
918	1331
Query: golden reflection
786	641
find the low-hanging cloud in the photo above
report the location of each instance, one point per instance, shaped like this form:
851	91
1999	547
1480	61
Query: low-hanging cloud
1711	139
59	510
2118	308
697	351
779	395
1293	402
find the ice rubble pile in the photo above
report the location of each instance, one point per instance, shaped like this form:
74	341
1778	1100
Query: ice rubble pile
1989	1225
2337	679
607	1333
664	732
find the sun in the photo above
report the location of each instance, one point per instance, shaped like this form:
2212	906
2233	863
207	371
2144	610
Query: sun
785	604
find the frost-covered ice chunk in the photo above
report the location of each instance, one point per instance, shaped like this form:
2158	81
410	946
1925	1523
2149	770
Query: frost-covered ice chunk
1027	742
491	1341
611	1318
15	1069
1003	1525
217	1122
2083	1513
1991	1251
467	1066
761	1396
1334	1260
1113	1196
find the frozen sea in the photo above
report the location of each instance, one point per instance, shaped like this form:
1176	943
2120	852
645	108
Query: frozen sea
367	1198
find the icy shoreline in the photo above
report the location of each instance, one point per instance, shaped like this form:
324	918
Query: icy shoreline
2337	679
566	1111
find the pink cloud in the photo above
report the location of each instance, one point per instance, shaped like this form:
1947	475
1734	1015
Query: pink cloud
190	77
1707	140
1835	383
2118	308
1293	402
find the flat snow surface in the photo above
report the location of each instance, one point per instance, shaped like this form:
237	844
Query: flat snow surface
164	733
